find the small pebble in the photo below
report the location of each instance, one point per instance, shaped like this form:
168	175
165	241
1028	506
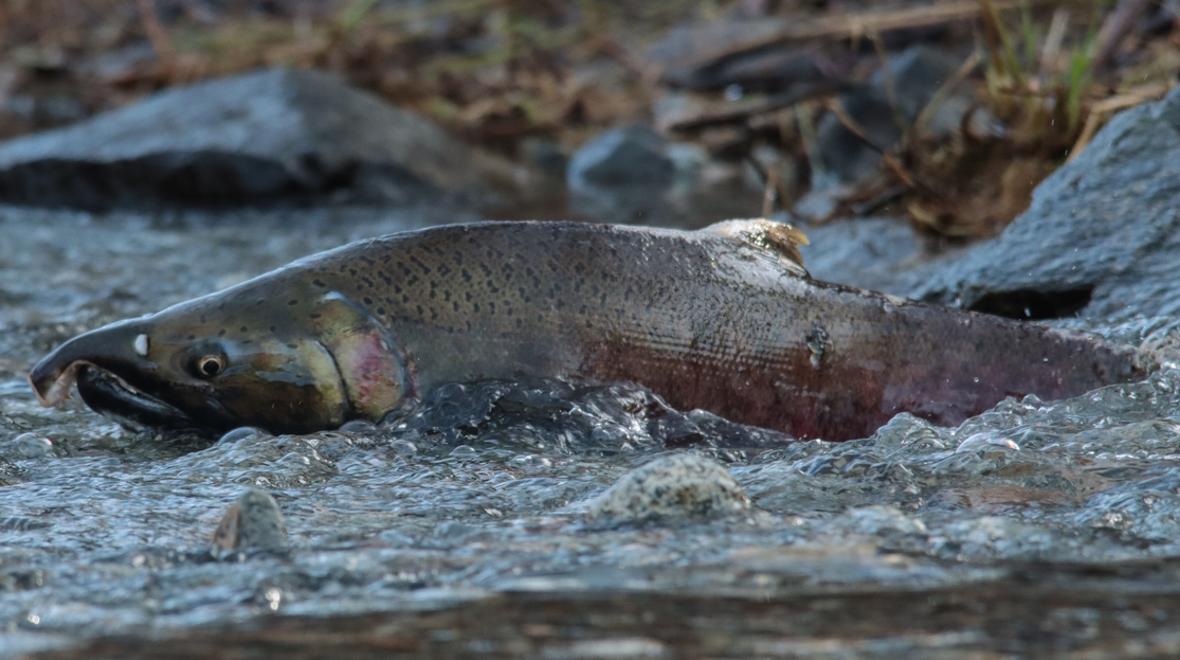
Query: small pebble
463	451
531	462
254	521
676	486
403	448
239	434
988	441
25	446
361	426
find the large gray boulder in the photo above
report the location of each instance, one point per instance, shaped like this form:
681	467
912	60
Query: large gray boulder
1101	238
272	135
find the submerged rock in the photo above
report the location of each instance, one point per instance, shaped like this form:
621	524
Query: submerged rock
253	522
670	487
272	135
26	446
1101	238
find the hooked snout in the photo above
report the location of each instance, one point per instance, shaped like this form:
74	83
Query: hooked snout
120	347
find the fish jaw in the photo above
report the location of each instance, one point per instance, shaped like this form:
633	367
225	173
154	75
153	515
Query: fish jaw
55	374
54	389
102	364
107	393
323	361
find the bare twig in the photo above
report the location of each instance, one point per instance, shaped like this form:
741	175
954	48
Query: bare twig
940	95
1053	40
804	116
890	83
770	193
741	111
857	24
1100	110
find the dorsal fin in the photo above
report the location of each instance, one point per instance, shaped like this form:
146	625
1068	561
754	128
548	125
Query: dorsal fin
778	238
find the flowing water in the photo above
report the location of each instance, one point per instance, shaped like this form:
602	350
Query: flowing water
483	489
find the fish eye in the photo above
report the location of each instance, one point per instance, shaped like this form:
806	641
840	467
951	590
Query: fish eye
208	366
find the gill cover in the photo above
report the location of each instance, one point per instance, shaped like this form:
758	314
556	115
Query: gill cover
319	365
377	375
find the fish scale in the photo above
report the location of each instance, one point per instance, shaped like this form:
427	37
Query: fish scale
708	305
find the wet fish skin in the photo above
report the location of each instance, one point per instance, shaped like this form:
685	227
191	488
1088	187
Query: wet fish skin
722	320
275	345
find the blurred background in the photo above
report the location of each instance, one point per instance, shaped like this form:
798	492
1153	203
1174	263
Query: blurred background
946	114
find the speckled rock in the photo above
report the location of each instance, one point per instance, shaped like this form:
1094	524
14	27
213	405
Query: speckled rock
9	473
253	522
674	486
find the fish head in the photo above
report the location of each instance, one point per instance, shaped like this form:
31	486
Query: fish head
287	366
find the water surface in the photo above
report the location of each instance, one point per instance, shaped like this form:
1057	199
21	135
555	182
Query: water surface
482	489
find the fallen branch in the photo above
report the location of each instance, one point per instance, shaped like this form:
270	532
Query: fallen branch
874	22
739	112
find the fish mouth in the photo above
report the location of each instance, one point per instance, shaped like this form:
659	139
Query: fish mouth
108	394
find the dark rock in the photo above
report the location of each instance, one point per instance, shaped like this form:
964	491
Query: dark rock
1101	238
686	205
763	71
9	474
274	135
546	156
631	175
883	108
632	155
914	76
